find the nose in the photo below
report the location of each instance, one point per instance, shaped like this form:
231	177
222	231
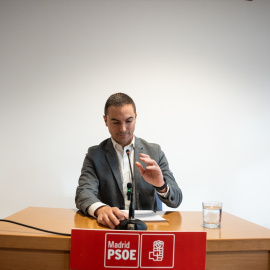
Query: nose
123	127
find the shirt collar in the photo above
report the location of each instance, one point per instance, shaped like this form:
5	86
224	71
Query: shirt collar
118	147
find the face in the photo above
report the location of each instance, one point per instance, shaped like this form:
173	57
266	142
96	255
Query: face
121	123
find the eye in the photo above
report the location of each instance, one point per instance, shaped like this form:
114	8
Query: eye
130	120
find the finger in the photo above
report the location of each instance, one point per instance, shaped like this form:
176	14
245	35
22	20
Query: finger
140	167
110	223
148	161
144	155
125	214
121	215
113	219
107	218
103	221
153	169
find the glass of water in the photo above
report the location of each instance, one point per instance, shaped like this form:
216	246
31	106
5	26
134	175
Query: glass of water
212	214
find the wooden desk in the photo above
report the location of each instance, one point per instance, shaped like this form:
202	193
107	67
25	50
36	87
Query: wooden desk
237	245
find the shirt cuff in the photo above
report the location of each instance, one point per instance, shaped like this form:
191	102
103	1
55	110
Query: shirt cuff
94	207
164	194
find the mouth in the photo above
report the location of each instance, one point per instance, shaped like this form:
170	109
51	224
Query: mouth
123	134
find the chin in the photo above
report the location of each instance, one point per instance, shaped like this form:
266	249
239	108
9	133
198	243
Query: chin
125	142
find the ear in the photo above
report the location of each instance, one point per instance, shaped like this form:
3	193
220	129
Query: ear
105	120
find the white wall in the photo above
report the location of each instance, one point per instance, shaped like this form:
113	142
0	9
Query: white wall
199	72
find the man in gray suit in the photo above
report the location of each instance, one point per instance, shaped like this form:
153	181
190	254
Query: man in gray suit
102	190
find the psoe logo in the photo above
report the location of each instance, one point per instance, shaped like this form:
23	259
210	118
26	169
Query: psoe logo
158	251
121	250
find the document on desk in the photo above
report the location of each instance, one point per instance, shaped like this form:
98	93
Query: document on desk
147	215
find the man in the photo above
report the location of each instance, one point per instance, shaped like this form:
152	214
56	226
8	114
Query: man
105	173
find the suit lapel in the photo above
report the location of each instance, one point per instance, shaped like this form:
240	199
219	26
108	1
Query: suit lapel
138	150
137	176
113	163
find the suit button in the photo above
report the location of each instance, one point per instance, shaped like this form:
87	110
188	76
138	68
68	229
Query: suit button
172	198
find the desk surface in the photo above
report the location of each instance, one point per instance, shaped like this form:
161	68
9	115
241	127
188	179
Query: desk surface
235	233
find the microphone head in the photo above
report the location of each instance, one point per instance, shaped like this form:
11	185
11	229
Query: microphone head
127	151
129	185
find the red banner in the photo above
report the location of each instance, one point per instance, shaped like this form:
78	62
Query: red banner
108	249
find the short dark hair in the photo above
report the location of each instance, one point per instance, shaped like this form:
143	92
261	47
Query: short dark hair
118	100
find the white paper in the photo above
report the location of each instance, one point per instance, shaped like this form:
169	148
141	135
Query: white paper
147	215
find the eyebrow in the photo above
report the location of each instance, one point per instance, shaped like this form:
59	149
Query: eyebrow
129	118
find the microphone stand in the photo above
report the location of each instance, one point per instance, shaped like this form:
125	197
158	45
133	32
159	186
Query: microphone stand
131	223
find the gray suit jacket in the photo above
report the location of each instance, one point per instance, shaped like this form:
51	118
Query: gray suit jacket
100	179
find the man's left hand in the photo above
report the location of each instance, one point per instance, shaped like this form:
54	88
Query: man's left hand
152	172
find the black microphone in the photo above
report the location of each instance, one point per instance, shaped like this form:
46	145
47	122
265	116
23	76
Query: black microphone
131	223
130	197
130	189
